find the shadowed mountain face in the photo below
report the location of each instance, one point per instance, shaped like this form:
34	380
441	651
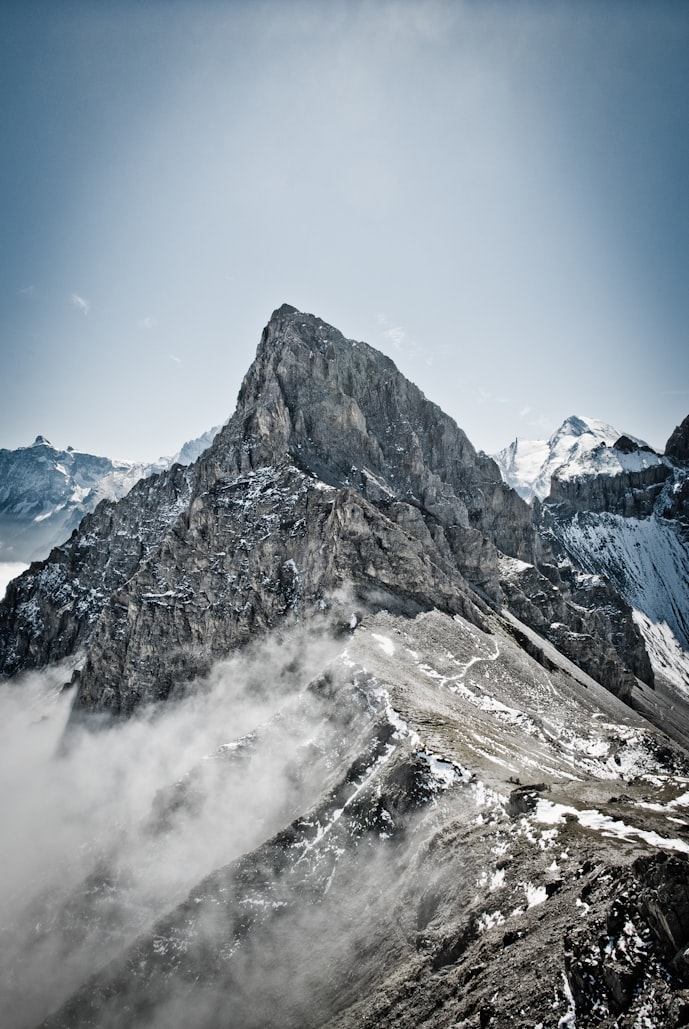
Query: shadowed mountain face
368	756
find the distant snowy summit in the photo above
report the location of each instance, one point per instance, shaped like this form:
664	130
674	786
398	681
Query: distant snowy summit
614	507
580	447
46	491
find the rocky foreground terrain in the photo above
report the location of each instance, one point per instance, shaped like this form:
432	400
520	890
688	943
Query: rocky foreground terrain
344	738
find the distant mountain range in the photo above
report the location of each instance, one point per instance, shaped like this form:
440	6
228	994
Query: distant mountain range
46	491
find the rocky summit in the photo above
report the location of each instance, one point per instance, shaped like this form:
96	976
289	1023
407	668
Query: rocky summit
336	730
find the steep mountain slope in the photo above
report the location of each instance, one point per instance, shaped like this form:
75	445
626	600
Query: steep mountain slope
368	756
45	491
334	469
622	512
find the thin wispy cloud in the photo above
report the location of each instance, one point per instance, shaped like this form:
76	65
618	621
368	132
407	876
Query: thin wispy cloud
486	396
542	424
81	303
177	360
28	291
398	336
524	411
148	322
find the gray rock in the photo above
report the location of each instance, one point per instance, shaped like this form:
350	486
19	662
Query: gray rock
333	471
677	447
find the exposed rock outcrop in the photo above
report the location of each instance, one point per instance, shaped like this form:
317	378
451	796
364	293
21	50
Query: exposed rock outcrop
630	494
677	447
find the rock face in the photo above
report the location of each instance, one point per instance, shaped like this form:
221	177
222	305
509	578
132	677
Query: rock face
373	763
630	526
677	447
608	505
630	493
334	470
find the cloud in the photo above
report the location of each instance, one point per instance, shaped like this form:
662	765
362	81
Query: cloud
121	826
28	291
524	411
486	396
148	322
398	336
543	424
80	303
177	360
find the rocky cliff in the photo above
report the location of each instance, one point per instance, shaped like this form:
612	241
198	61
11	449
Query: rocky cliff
334	470
677	447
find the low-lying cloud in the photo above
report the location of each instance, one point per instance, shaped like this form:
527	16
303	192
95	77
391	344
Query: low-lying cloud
105	835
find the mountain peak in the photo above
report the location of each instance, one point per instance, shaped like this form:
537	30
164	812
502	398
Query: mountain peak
41	441
342	412
578	426
677	447
580	446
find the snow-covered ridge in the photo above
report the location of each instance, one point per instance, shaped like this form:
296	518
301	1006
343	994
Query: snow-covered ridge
580	447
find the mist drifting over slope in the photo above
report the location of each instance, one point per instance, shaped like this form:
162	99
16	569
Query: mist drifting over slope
104	833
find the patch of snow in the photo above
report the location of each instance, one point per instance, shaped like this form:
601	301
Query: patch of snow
551	813
402	730
385	643
497	880
646	561
445	773
667	656
535	895
489	921
570	1016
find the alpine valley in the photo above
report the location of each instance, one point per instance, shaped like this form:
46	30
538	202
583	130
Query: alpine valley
335	728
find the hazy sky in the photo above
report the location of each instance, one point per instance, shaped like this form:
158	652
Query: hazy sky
494	193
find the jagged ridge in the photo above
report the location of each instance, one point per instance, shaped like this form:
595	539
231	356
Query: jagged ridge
333	470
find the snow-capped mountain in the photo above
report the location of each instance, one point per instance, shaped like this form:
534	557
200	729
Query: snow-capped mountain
616	508
46	491
580	446
367	753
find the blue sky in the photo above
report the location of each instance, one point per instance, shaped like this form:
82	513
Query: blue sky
494	193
